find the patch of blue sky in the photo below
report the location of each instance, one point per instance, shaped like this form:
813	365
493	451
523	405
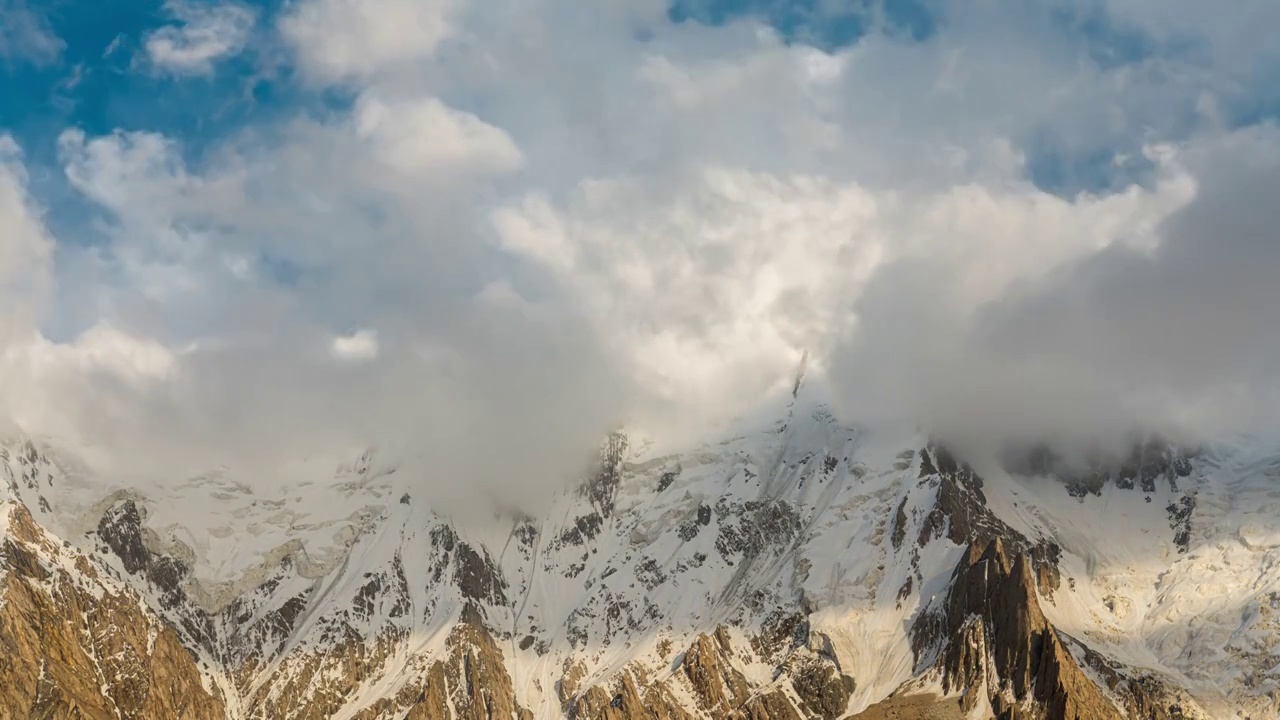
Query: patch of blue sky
1112	161
825	24
1248	99
1258	101
1255	110
101	82
1065	173
1107	43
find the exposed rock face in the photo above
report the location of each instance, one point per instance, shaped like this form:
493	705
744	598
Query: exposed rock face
1146	463
991	643
473	680
996	641
473	571
75	647
706	672
961	515
722	690
824	692
916	707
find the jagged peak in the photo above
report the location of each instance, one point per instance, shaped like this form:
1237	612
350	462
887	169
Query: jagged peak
798	525
991	552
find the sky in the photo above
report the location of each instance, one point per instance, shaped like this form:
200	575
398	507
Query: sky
246	235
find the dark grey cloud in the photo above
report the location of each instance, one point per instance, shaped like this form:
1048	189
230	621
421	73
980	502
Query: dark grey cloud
1195	312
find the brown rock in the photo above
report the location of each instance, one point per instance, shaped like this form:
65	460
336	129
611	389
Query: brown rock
997	641
474	677
75	652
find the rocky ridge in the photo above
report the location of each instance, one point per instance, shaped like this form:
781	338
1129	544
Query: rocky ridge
79	645
799	569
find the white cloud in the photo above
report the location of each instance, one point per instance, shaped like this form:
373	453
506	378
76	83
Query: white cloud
159	213
589	214
103	348
205	34
423	135
360	345
442	364
339	40
1154	329
44	385
710	284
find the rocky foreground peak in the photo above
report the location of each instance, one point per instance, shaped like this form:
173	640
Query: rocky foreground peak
803	569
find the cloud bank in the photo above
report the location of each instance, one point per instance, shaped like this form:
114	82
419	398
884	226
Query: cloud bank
531	222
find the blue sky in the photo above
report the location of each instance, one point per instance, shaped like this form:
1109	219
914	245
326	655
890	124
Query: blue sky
99	81
821	23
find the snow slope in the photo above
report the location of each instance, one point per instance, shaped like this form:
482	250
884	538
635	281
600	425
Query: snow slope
810	542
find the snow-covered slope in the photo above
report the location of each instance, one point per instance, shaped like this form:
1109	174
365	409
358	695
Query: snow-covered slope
795	567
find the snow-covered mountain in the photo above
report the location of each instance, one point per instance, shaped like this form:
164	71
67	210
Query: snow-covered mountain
798	568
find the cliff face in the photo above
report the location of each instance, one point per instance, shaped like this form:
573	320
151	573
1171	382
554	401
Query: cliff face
708	673
998	647
76	646
802	570
991	648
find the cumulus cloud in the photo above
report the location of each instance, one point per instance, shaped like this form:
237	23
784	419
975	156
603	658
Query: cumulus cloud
217	301
339	40
423	134
203	35
714	283
536	220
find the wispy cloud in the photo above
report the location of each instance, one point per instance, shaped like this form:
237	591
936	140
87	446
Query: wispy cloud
26	35
203	34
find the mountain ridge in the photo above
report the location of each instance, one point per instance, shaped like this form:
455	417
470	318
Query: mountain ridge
803	568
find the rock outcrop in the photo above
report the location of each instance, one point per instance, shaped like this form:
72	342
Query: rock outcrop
991	645
75	646
994	644
706	672
473	680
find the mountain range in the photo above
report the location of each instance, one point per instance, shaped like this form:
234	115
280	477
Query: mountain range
795	566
